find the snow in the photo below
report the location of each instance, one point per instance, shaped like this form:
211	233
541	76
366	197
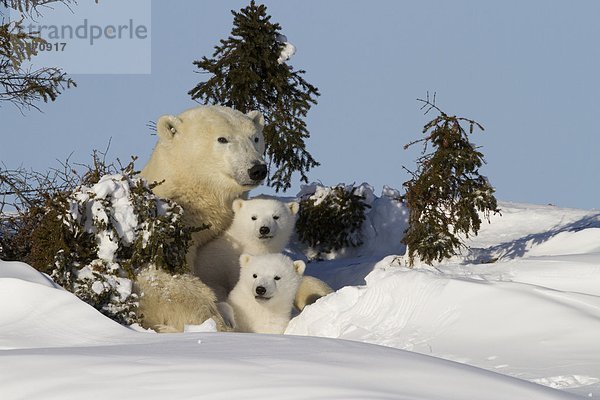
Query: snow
56	347
523	330
24	272
38	315
386	220
114	190
231	366
533	314
117	211
515	317
288	49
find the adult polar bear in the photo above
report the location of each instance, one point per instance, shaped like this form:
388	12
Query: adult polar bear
205	157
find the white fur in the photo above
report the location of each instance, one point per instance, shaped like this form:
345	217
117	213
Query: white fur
311	289
200	173
168	303
263	298
260	226
204	176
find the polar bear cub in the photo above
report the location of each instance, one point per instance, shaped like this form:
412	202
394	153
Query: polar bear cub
263	298
260	226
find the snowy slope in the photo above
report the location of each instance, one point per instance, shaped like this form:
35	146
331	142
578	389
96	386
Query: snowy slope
532	314
56	347
518	328
522	330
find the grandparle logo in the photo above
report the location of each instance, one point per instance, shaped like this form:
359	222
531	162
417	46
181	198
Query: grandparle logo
90	32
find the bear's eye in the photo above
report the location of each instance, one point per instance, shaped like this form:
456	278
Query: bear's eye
255	140
277	278
223	140
254	218
275	217
254	276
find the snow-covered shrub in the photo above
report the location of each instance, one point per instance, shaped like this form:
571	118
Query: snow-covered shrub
100	234
330	218
91	227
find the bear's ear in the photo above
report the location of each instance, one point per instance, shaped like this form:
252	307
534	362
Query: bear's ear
257	117
167	126
299	266
245	259
237	205
294	207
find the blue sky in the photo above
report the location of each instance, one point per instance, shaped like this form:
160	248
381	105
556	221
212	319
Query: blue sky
526	70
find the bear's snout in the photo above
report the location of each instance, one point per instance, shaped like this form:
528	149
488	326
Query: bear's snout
260	290
258	172
264	230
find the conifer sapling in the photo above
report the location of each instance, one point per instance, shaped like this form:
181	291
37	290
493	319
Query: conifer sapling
447	192
249	72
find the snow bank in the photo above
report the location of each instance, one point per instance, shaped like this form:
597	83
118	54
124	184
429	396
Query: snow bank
53	346
34	312
22	271
231	366
491	324
519	328
579	273
64	349
534	314
524	230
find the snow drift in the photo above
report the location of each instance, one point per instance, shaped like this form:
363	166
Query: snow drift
520	326
56	347
532	314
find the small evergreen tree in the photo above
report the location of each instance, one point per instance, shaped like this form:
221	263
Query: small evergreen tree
446	193
331	218
247	74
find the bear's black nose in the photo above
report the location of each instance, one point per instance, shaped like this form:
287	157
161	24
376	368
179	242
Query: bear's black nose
258	172
260	290
264	230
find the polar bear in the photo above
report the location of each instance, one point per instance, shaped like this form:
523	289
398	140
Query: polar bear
206	157
311	289
168	303
260	226
262	300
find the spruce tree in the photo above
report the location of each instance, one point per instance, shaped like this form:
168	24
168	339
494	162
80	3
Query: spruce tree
446	193
331	218
247	74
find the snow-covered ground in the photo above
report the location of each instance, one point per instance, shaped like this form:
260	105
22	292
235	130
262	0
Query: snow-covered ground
524	301
516	317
